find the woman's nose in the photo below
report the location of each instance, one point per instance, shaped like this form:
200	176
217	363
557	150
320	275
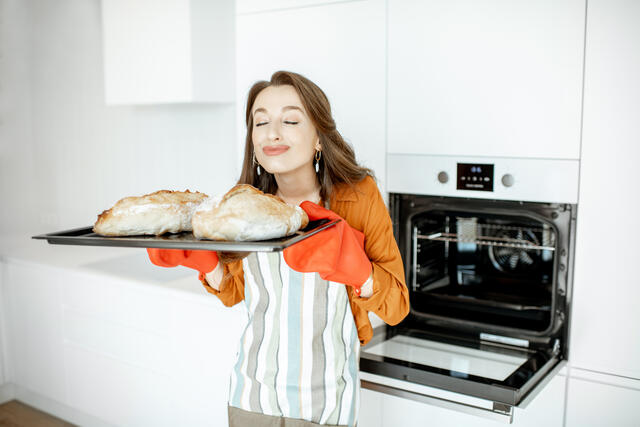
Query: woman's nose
274	133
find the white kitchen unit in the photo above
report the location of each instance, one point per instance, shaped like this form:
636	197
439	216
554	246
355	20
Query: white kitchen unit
371	408
595	399
3	335
340	47
492	78
545	410
168	51
605	332
101	337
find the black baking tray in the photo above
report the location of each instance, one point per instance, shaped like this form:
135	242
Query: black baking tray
86	237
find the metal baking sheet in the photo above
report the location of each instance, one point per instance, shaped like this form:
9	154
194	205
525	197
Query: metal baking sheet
86	237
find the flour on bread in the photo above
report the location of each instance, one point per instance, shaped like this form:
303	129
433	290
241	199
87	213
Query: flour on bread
245	213
209	203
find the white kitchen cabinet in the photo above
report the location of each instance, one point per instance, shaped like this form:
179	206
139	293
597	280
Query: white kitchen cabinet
545	409
491	78
168	51
340	47
3	329
595	400
97	349
605	315
35	333
371	403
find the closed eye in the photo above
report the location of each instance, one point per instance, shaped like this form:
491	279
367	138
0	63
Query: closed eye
290	122
261	123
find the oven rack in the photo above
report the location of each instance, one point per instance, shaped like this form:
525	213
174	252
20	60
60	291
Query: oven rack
507	242
510	227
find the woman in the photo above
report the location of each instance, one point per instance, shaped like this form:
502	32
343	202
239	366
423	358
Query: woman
297	362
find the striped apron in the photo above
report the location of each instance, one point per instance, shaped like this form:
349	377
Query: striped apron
298	356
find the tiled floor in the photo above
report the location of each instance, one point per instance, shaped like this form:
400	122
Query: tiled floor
17	414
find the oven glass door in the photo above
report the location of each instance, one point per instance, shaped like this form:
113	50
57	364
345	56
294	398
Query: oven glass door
501	373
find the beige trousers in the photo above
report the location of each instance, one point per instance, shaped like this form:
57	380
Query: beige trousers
241	418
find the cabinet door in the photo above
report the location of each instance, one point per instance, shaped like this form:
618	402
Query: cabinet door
494	78
370	414
605	315
118	350
35	359
166	350
3	327
338	46
595	403
167	51
545	410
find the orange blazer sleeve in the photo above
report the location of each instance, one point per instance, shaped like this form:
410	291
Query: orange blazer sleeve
390	298
232	285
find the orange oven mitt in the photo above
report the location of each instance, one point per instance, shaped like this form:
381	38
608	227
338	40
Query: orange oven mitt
202	261
336	253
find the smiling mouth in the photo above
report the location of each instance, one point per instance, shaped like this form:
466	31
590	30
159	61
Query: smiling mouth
274	150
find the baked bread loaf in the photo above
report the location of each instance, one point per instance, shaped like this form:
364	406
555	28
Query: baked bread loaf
246	213
156	213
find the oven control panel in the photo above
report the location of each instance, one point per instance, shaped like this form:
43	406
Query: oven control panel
475	176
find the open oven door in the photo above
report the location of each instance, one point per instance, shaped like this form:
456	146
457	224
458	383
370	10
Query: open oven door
485	334
477	376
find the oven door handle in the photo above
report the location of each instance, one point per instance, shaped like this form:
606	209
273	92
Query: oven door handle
500	412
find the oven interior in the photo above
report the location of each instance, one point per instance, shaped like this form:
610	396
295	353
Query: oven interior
482	269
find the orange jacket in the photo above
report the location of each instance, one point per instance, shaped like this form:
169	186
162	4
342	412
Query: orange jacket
364	209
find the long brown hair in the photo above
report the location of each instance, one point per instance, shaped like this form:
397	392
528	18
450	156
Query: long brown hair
338	161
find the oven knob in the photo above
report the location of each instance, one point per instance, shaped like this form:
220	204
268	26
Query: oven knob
443	177
507	180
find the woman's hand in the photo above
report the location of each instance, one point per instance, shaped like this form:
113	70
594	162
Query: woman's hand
202	261
336	253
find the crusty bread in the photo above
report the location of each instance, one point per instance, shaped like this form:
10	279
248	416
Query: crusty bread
246	213
157	213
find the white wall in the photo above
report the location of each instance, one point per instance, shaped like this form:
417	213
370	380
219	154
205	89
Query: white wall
65	156
15	114
340	46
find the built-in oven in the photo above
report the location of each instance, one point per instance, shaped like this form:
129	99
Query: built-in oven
489	276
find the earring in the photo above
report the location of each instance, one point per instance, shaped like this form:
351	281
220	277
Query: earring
255	162
317	157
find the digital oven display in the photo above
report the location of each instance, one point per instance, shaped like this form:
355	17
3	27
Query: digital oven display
473	176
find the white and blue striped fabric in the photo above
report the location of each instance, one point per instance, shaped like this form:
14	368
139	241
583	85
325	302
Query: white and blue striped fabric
298	356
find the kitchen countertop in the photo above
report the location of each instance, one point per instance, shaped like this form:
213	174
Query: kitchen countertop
131	264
